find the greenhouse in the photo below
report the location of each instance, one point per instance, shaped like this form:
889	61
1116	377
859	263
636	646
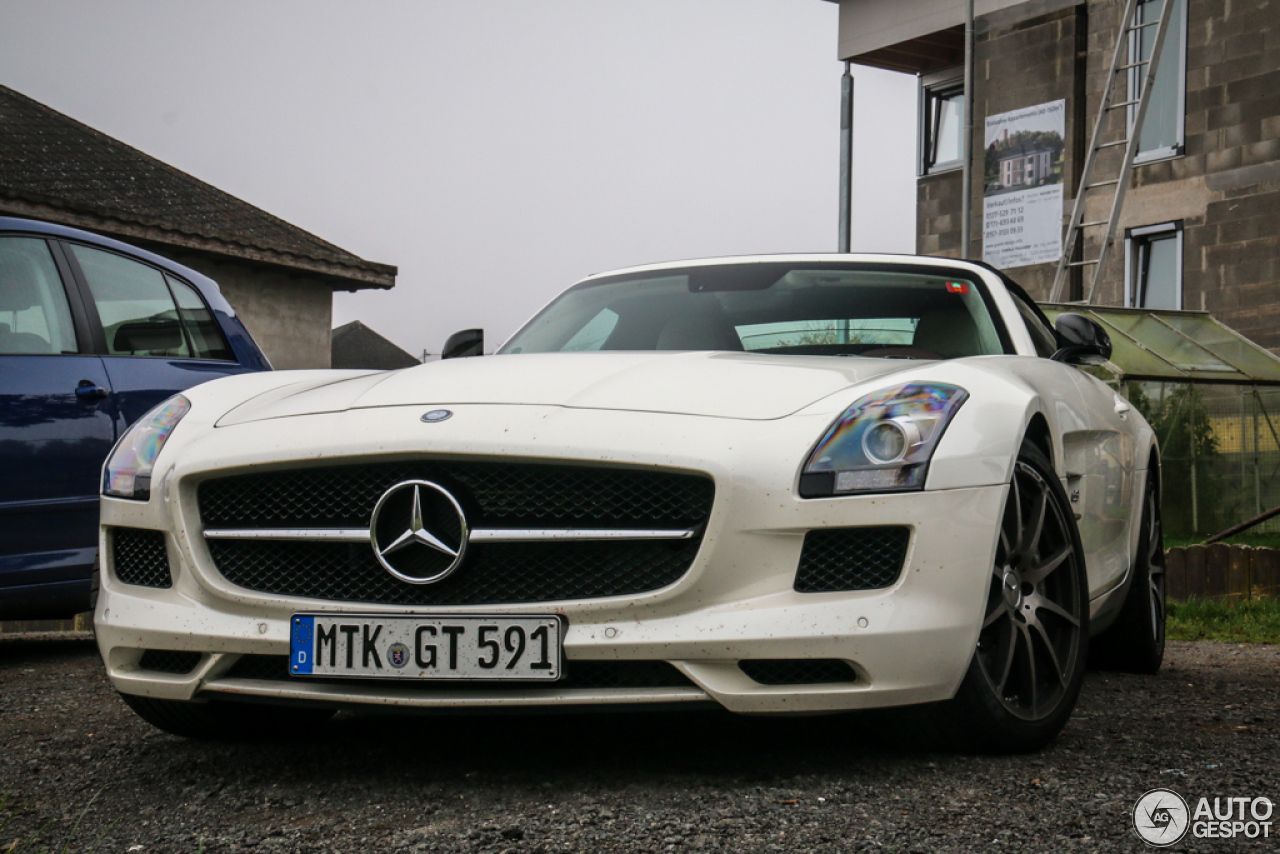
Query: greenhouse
1213	398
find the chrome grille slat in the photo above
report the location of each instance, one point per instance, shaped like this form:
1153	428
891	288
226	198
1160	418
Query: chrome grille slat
489	535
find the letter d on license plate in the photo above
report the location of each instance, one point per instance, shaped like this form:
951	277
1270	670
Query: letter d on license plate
426	647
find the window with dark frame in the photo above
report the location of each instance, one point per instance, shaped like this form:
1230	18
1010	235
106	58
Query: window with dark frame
1162	127
1153	266
147	313
941	121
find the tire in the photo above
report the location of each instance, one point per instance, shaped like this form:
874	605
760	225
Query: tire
1026	671
1135	641
221	721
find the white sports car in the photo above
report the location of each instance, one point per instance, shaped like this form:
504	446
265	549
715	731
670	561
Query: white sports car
779	484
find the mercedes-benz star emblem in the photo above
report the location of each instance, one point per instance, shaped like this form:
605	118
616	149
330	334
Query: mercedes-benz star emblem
419	532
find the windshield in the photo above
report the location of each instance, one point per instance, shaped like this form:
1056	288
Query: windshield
797	308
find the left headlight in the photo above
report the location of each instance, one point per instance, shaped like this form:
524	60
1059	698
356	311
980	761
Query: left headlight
883	442
127	473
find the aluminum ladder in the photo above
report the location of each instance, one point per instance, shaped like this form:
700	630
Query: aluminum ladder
1120	184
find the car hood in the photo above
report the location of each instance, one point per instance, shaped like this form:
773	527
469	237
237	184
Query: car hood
726	385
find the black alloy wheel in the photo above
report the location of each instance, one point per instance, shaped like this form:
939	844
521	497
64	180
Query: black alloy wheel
1029	663
1029	646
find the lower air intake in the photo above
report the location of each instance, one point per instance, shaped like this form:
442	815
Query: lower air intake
600	675
798	671
170	661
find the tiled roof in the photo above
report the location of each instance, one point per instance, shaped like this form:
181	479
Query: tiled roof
50	160
357	346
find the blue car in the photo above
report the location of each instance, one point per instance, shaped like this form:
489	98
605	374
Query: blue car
93	334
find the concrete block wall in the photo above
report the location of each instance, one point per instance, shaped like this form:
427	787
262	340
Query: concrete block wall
289	315
1224	188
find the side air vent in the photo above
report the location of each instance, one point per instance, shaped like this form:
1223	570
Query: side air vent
138	557
841	559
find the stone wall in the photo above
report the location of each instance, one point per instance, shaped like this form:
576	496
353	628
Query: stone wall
1224	188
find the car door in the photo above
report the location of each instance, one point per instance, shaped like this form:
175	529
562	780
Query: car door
159	336
56	427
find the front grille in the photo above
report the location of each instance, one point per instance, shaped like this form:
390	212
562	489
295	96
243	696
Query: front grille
798	671
138	556
170	661
494	573
577	674
494	496
837	559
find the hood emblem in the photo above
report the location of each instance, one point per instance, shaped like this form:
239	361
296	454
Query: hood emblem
437	415
418	532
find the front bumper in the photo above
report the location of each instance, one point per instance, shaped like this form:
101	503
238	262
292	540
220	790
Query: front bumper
909	643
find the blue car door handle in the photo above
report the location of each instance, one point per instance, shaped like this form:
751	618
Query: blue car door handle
87	390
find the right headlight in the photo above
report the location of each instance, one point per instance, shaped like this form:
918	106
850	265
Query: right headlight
127	473
883	442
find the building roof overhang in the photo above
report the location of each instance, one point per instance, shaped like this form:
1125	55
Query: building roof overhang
55	168
916	36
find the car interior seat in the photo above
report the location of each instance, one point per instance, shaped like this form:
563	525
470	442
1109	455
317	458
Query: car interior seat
148	337
949	332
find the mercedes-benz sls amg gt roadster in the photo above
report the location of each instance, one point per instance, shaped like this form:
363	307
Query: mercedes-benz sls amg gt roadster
777	484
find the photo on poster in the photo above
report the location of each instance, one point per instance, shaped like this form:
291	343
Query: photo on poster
1022	186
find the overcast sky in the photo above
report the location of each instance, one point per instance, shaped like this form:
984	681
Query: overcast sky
494	150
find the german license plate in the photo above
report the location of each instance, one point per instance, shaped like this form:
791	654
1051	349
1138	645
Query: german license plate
426	647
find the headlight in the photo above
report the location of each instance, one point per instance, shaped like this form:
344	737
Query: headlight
883	442
127	473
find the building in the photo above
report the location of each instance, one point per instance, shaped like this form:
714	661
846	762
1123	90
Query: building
1025	168
279	278
1200	226
357	346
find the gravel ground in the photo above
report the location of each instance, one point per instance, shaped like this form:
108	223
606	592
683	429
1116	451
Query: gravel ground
70	750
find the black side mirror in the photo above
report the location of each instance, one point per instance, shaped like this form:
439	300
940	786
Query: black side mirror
468	342
1081	340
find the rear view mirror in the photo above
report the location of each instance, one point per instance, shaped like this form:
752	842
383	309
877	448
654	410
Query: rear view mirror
1082	341
468	342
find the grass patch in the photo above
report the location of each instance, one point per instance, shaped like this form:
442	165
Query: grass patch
1251	621
1258	541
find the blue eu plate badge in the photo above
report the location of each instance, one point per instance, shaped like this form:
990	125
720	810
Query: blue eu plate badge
301	644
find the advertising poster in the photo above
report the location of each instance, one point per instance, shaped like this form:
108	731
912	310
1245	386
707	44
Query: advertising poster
1022	186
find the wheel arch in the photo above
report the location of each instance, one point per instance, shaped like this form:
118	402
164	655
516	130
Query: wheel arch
1038	433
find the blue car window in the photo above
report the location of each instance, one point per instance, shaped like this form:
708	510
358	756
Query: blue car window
138	313
202	329
34	317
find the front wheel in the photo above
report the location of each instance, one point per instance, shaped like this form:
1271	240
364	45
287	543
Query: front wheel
1026	672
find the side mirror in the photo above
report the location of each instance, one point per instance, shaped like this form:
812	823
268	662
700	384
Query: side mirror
1083	341
468	342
